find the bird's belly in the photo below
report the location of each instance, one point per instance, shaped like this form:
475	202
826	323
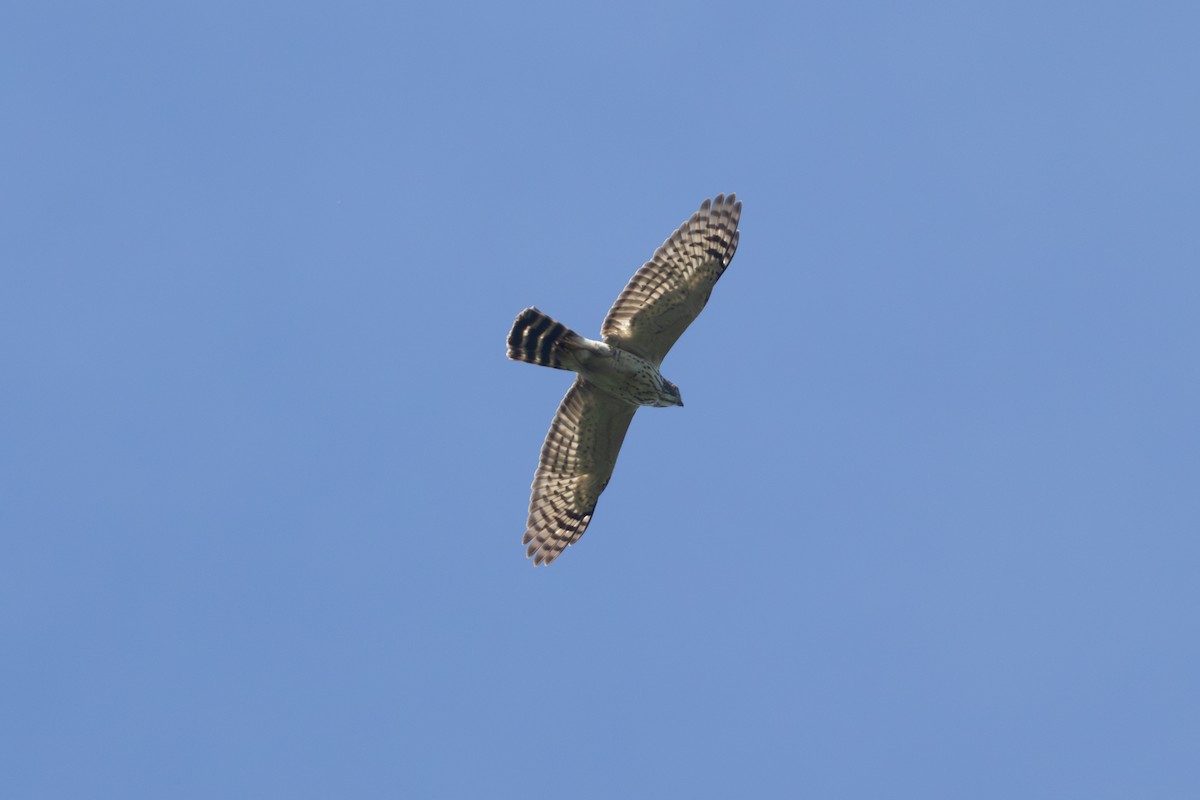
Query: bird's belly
625	376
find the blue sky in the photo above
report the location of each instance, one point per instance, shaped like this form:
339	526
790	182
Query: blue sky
927	527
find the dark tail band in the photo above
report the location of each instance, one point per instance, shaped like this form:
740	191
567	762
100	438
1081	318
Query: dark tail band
537	338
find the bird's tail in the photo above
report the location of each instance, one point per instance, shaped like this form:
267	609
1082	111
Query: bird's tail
538	339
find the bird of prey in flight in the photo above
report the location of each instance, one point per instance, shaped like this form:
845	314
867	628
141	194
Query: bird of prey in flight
616	374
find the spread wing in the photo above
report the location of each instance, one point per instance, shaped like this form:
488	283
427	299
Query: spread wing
577	460
670	290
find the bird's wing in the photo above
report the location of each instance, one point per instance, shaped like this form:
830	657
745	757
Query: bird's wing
670	290
576	462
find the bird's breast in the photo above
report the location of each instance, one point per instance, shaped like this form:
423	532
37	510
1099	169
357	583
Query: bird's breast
624	375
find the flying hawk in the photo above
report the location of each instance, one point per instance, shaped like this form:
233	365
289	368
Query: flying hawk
618	373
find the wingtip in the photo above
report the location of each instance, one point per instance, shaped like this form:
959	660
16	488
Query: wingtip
536	550
724	201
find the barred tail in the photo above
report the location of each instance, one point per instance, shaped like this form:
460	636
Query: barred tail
538	339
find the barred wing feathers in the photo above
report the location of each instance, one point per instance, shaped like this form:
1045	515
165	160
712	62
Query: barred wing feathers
671	289
577	460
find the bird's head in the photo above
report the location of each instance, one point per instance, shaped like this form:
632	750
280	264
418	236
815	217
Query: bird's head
668	395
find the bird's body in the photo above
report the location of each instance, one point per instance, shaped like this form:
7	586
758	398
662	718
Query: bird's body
618	374
537	338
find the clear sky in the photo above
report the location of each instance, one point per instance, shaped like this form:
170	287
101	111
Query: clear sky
928	526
